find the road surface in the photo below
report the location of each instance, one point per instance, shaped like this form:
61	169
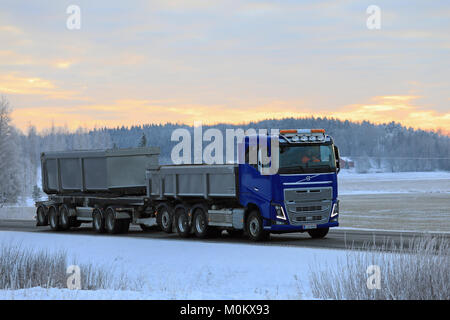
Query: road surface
337	238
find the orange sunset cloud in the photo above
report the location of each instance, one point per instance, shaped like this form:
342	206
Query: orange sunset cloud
135	112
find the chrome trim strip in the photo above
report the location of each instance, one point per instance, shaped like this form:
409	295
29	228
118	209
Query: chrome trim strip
303	183
306	174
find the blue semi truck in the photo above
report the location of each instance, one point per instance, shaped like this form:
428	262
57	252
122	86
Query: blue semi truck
295	191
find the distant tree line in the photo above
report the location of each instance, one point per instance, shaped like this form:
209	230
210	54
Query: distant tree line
384	147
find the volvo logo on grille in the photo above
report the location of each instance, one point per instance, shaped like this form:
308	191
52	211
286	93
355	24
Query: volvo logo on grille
307	178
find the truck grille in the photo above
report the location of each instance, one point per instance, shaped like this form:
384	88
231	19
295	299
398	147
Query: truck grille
310	208
309	218
308	205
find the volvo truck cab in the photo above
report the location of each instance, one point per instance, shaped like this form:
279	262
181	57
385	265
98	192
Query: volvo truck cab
302	194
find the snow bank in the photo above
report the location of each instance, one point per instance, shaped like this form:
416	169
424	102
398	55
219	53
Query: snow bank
167	269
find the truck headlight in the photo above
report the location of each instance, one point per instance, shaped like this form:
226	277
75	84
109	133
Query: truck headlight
335	210
280	212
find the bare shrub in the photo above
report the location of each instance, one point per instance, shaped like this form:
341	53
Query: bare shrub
416	270
26	268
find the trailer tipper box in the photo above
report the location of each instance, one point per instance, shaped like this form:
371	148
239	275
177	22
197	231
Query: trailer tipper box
194	181
118	171
113	188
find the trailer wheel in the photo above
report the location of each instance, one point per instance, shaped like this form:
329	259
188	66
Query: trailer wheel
318	233
164	218
255	227
54	219
182	221
64	218
98	222
112	224
41	217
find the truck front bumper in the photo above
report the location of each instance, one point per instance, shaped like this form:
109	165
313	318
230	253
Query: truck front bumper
285	228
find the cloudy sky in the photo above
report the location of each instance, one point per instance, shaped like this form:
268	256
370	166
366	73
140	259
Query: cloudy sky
135	62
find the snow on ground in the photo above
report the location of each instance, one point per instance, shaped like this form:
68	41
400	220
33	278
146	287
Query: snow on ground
17	213
380	176
182	269
39	293
351	183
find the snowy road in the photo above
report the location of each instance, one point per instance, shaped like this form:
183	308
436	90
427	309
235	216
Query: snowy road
337	238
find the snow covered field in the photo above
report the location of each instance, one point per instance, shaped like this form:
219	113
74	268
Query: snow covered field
351	183
165	269
395	201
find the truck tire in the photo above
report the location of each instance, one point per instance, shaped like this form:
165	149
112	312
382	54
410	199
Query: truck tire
182	221
200	222
98	221
164	218
53	218
64	217
41	217
255	227
318	233
112	224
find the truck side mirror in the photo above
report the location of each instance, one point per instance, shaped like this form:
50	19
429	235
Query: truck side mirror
338	159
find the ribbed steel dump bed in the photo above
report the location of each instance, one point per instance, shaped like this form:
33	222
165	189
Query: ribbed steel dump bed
205	181
98	171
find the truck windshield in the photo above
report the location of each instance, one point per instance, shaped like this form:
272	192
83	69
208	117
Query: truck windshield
307	158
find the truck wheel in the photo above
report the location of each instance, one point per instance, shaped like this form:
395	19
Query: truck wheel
98	222
111	223
53	219
201	224
64	217
318	233
255	227
41	217
164	218
182	222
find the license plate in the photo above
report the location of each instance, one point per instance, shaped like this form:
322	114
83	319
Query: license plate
310	226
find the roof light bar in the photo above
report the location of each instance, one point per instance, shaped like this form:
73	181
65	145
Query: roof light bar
288	131
302	131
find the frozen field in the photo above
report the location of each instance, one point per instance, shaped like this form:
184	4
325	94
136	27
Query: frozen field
412	211
182	269
395	201
398	182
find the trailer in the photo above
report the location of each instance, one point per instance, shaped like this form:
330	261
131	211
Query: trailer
115	188
104	187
